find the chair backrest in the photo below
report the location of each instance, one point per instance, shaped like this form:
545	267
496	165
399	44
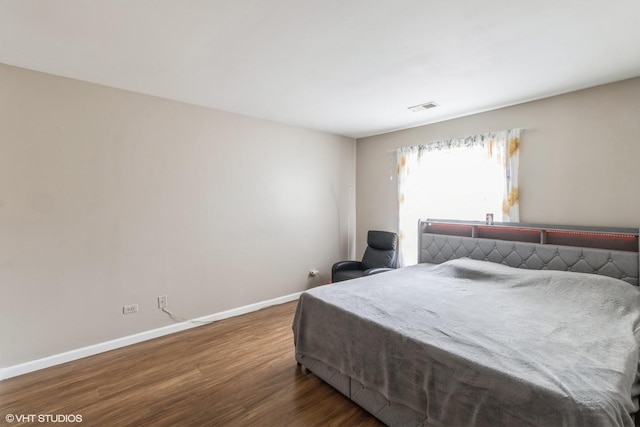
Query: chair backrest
381	250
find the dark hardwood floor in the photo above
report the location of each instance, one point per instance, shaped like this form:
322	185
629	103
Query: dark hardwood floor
236	372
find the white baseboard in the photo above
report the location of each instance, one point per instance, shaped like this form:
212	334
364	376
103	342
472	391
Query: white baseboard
57	359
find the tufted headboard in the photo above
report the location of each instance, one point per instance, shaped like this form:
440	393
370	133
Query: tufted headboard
611	252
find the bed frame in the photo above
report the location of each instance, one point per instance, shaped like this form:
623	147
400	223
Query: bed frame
612	252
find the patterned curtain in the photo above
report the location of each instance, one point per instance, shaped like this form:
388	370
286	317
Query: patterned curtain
463	178
509	159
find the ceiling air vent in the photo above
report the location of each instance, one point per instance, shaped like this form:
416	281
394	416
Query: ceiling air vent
422	107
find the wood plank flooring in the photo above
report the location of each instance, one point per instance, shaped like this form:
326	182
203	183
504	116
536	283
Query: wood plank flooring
236	372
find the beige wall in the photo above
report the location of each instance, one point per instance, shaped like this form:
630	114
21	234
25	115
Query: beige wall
110	198
579	159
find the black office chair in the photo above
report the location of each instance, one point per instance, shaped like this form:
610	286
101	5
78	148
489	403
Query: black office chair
380	256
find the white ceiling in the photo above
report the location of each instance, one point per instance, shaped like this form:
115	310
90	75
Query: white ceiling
350	67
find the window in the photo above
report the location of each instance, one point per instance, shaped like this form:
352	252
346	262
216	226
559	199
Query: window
457	179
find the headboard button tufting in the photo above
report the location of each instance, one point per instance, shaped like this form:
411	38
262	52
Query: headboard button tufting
437	248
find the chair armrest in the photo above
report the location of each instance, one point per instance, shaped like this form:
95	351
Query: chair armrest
371	271
346	265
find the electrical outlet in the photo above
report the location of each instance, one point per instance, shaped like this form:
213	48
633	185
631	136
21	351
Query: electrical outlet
162	301
128	309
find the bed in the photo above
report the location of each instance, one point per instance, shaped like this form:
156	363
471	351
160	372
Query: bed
505	324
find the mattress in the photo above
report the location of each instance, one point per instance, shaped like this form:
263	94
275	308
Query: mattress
469	342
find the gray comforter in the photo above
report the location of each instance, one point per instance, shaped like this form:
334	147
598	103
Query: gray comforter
475	343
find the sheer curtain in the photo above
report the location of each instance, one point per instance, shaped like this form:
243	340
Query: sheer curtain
462	178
